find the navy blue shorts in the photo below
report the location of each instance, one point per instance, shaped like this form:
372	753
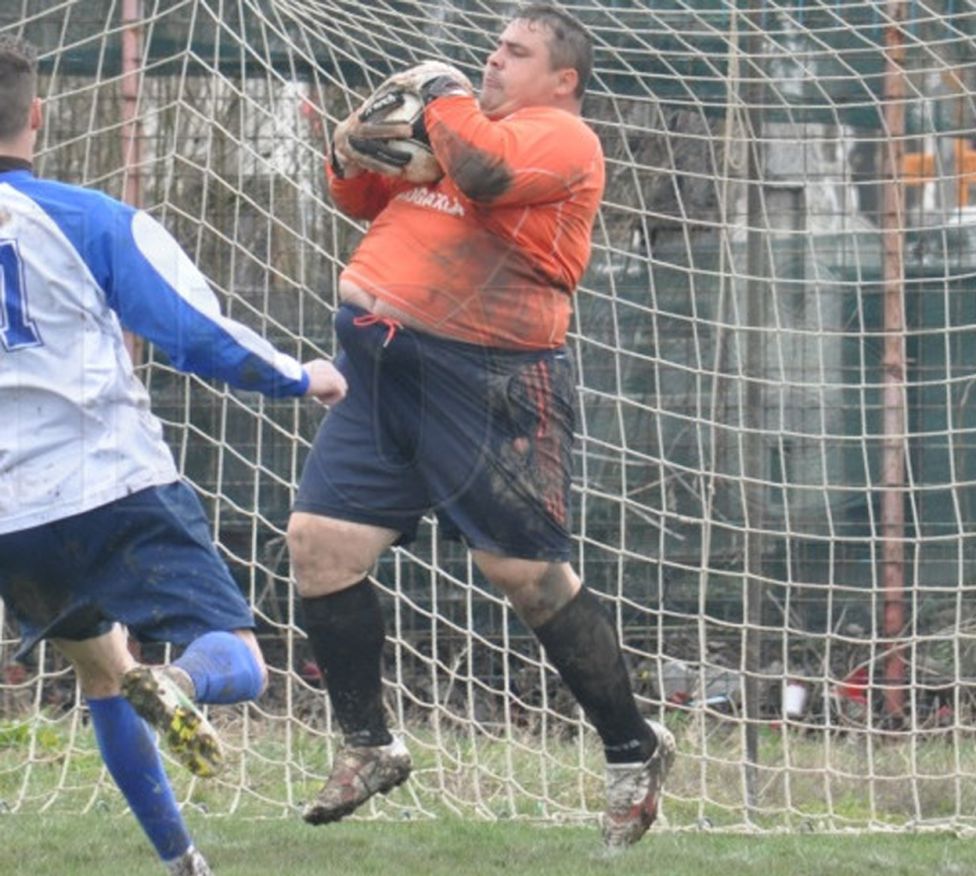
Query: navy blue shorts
146	560
483	437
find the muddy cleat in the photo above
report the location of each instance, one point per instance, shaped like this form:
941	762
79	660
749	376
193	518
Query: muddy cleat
634	792
187	733
190	863
358	774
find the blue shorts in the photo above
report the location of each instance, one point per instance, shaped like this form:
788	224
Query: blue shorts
483	437
146	560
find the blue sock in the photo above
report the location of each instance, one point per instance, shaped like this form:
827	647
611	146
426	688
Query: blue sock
129	750
222	667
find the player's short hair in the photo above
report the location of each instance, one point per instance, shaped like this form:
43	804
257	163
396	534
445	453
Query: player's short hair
18	84
569	43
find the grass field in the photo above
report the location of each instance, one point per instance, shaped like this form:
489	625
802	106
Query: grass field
38	845
59	814
803	782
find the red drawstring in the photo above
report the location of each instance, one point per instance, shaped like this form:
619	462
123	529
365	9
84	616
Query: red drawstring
375	319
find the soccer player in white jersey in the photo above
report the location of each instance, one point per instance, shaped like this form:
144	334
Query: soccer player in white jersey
96	528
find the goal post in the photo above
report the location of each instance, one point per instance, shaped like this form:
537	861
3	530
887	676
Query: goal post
775	487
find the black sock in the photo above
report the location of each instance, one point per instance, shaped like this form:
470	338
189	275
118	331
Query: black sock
347	634
581	643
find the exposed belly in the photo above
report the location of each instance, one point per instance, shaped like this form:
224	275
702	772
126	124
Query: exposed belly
350	293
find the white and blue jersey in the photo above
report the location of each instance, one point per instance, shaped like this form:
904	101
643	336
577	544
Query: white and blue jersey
76	268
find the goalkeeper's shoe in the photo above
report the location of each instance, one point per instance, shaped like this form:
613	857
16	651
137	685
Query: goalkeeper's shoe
357	774
634	792
190	863
158	698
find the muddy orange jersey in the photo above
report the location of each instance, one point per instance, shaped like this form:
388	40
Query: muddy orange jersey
493	252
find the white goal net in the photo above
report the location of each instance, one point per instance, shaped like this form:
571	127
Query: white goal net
776	345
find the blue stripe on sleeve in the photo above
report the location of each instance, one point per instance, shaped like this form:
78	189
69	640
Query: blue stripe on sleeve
160	294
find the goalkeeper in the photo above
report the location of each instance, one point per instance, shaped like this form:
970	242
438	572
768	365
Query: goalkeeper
455	308
96	529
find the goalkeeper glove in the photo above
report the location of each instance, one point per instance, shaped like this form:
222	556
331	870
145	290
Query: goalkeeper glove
368	137
431	80
363	145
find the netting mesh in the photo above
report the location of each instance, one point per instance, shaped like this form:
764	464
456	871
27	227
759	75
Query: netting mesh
775	342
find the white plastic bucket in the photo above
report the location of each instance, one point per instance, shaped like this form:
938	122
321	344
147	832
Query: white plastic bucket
794	699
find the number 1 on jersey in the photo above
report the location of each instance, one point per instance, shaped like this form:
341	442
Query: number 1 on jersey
17	329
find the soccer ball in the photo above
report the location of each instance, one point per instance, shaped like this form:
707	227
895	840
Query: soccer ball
399	106
398	100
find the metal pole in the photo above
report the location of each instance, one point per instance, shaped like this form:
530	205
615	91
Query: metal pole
895	415
754	417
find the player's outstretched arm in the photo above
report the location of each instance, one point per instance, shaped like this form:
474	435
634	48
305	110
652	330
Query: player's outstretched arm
159	293
325	382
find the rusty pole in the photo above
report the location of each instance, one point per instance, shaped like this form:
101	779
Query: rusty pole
131	126
894	402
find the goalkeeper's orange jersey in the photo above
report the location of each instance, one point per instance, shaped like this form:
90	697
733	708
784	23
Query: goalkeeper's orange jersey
493	252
